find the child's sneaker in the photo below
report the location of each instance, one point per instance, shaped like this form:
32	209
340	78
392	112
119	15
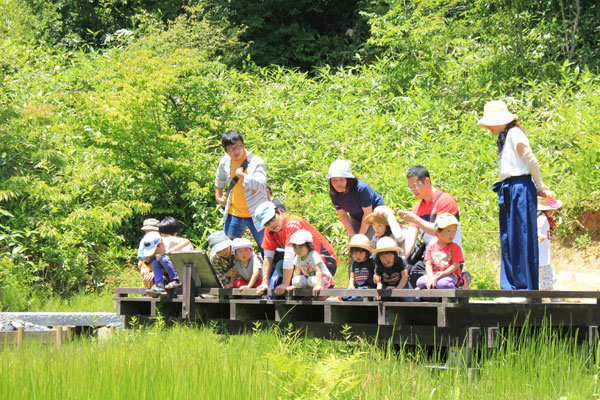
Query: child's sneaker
173	285
465	280
156	292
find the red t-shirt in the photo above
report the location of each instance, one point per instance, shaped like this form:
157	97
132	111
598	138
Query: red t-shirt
444	257
291	223
445	204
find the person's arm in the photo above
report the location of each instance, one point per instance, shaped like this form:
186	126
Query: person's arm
319	275
219	196
288	269
267	266
450	270
180	245
351	283
410	239
377	280
364	227
413	218
403	279
524	151
346	222
296	272
257	181
430	275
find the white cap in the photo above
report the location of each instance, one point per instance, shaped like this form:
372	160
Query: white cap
300	237
339	169
241	243
151	241
264	212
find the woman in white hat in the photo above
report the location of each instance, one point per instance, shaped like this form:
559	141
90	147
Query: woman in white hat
352	198
520	184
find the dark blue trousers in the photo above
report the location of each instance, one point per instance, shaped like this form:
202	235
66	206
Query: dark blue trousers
517	200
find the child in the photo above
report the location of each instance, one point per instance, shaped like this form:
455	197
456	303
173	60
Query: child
362	268
169	230
221	256
248	265
390	271
149	225
154	246
443	257
547	206
384	223
310	269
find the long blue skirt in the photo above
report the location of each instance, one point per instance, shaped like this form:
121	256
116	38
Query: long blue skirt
517	200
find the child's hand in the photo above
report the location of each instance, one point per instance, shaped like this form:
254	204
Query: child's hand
229	286
317	288
244	287
290	288
431	282
351	286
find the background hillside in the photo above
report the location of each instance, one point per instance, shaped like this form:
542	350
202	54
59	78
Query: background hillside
111	112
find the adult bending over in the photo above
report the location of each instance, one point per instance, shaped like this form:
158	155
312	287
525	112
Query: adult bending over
279	228
352	198
517	198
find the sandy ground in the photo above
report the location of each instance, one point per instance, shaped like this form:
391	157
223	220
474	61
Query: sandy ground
575	268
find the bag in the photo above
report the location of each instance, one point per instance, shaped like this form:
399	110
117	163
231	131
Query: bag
418	252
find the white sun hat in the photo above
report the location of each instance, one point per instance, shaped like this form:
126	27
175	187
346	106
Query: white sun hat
495	113
339	169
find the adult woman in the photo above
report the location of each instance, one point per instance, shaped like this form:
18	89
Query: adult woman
352	198
517	198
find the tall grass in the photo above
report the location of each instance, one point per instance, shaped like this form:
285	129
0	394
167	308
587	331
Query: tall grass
183	362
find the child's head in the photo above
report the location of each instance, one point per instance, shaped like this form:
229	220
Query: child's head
220	244
242	249
169	226
548	205
379	222
302	241
360	247
153	244
386	252
150	224
445	227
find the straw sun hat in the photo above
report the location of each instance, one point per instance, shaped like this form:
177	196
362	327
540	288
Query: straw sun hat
361	241
374	218
495	113
386	244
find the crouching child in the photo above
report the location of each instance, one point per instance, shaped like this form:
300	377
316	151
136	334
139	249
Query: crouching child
247	265
154	248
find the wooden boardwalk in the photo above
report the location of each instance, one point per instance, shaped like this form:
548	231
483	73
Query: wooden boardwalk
438	317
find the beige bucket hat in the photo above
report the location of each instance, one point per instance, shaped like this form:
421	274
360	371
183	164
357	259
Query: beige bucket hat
495	113
361	241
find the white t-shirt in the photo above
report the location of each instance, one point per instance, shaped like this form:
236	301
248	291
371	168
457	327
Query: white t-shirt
307	266
543	228
172	241
511	164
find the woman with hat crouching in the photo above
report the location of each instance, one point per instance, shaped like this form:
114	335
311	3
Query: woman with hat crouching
352	198
520	183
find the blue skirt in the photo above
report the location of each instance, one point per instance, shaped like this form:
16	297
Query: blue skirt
517	200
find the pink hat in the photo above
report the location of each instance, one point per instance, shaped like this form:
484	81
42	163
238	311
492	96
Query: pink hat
300	237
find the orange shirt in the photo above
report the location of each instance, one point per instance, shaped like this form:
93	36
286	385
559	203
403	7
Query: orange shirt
239	208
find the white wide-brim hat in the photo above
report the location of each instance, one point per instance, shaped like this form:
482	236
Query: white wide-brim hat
339	169
495	113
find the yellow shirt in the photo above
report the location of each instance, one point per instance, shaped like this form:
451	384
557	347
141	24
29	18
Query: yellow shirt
239	208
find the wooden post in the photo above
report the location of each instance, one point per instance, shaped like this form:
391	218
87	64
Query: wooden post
20	333
58	329
492	336
69	332
593	336
188	300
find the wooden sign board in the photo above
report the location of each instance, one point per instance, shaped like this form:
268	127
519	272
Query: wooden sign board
202	272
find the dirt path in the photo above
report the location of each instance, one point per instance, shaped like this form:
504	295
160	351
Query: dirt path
577	269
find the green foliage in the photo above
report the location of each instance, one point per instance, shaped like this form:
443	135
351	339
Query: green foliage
93	142
272	364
